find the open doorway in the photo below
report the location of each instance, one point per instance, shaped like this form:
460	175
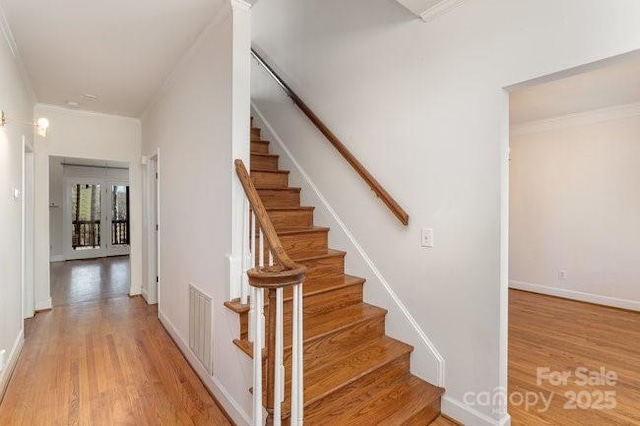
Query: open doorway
574	262
89	214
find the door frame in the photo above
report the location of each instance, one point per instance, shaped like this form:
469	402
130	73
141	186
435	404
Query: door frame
27	236
152	200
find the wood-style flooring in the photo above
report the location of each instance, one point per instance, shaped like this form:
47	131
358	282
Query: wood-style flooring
102	358
85	280
566	336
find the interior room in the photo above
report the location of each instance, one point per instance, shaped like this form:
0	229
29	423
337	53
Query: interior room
575	244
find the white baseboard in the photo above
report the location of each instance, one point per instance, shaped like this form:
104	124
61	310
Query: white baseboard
135	291
43	305
469	416
57	258
231	406
145	295
12	361
630	305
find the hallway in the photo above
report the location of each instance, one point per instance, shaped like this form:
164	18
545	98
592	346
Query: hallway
102	358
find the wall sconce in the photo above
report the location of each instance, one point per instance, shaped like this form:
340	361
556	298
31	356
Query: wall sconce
42	124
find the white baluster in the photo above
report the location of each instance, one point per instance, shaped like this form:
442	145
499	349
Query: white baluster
279	354
257	361
252	263
261	249
297	370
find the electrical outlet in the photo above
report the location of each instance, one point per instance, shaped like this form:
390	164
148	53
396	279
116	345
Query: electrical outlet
562	274
427	237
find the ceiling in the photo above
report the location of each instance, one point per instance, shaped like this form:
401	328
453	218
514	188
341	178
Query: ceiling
613	84
118	50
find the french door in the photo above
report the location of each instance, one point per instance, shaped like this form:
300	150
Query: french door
96	219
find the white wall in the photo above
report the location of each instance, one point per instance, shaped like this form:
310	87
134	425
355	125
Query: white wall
16	100
79	134
423	106
190	123
575	208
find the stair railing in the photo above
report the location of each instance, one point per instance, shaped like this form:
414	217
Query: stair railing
375	186
269	269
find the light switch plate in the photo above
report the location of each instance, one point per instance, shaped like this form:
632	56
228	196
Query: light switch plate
427	237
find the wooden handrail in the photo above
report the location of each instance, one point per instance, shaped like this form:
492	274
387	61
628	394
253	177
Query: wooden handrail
379	190
262	217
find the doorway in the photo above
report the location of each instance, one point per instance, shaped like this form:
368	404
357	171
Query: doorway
89	209
574	235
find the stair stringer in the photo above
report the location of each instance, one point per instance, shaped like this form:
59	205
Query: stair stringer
426	361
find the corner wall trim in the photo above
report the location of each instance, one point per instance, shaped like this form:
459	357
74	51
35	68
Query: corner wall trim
601	115
439	9
43	305
470	416
630	305
231	406
5	28
387	287
12	361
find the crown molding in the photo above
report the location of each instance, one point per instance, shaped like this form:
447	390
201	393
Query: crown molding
439	9
577	119
85	112
7	33
240	5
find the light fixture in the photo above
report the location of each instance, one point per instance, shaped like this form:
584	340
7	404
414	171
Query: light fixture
42	124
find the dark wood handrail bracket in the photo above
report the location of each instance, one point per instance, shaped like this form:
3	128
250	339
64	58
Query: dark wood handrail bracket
375	186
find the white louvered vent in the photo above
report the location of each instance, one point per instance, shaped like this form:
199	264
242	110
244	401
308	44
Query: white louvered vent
200	327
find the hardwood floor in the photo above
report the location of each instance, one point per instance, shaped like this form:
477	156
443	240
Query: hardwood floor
102	358
86	280
566	336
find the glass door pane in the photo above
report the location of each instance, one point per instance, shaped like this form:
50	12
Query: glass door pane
86	211
119	215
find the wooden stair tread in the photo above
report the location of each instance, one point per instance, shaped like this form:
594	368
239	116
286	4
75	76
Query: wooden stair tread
280	209
393	401
321	325
319	286
329	253
264	154
347	367
278	172
269	188
296	231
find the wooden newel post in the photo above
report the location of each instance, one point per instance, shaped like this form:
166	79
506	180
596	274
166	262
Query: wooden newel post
271	279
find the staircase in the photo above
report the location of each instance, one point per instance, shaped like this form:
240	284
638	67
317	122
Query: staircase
353	373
